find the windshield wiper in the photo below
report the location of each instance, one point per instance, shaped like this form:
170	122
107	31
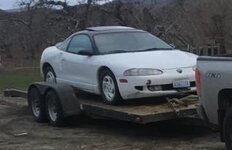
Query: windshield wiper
151	49
127	51
118	51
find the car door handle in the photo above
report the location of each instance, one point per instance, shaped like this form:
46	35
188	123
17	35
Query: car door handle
63	59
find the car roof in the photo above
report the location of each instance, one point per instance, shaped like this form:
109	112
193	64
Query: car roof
107	28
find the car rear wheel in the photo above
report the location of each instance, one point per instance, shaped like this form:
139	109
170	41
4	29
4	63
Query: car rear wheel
109	88
49	75
227	129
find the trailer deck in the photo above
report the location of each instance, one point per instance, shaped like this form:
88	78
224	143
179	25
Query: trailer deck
138	111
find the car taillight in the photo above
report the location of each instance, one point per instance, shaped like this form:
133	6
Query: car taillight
198	81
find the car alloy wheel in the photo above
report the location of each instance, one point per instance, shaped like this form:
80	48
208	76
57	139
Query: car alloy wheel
108	88
50	77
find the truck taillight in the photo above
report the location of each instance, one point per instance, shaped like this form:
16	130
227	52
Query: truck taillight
198	81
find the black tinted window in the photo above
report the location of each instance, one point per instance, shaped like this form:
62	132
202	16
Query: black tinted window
78	43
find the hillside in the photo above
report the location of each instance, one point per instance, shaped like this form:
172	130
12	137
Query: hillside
193	26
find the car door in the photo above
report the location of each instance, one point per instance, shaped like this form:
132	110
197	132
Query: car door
77	68
61	49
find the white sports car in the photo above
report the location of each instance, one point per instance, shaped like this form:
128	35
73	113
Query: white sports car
119	63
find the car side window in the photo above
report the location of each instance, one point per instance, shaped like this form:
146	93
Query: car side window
63	45
79	43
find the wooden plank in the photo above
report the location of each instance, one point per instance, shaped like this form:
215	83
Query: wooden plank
15	93
140	111
137	117
143	114
140	107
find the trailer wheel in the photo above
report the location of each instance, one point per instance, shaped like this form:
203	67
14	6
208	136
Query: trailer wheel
227	129
54	109
37	105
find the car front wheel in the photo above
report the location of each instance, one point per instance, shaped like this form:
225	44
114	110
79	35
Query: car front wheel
109	89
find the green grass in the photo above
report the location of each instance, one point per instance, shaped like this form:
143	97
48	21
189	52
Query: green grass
18	79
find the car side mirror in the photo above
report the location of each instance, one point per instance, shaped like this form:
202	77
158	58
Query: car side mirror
86	52
58	44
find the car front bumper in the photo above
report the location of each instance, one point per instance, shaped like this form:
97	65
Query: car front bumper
154	86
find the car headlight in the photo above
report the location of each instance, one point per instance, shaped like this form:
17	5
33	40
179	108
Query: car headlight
142	72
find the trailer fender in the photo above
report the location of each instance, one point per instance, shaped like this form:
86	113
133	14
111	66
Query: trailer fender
67	97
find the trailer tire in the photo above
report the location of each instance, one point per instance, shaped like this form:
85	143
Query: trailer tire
227	129
37	105
54	109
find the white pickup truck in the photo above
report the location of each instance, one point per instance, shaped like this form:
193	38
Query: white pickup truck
214	87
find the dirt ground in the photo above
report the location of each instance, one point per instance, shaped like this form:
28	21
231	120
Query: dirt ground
18	131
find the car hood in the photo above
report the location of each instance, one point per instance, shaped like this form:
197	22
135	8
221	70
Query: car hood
165	59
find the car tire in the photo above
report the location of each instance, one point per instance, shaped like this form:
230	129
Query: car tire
37	105
54	109
109	88
49	75
227	129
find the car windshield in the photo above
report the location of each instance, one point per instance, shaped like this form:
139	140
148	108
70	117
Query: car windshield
129	42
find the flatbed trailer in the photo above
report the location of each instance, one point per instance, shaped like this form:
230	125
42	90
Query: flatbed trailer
140	111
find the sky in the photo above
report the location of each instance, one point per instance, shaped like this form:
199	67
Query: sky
12	4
